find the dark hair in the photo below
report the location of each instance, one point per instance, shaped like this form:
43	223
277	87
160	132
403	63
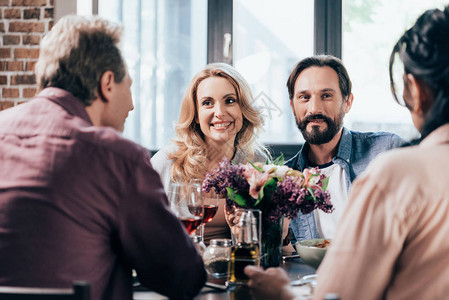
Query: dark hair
321	61
424	51
76	53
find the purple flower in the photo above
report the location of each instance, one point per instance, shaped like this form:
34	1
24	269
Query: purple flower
282	197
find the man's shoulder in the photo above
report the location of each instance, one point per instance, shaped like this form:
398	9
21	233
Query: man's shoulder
372	135
375	140
108	140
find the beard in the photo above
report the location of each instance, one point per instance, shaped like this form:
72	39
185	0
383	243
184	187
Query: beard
315	136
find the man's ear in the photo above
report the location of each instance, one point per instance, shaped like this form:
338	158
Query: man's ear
348	103
106	86
420	94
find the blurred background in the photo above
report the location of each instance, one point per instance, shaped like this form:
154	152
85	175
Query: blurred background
167	41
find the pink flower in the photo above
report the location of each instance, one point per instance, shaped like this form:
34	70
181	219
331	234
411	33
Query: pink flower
256	180
309	180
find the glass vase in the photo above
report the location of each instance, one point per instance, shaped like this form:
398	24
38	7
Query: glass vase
272	243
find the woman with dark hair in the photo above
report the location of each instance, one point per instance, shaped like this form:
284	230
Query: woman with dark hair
392	242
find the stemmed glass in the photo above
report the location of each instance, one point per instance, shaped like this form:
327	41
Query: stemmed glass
210	204
187	203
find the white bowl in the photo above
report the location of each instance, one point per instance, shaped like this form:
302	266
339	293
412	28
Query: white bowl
310	254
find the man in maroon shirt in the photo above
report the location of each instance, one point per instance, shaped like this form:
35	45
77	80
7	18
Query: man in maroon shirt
77	200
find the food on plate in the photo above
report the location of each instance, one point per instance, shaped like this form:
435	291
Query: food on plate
323	244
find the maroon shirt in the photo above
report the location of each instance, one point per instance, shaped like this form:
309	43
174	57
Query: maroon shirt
79	202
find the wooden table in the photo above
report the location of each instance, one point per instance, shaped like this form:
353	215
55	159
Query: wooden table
294	267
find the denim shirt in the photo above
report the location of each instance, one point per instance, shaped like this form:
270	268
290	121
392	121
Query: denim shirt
355	151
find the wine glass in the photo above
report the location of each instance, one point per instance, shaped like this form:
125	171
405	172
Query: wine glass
186	202
210	204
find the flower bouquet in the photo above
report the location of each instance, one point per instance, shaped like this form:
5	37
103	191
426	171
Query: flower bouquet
277	190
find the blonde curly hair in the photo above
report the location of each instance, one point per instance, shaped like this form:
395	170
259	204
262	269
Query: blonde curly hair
192	151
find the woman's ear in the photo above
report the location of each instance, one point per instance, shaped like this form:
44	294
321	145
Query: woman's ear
420	95
106	86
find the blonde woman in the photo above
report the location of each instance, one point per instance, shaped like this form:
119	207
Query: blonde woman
217	120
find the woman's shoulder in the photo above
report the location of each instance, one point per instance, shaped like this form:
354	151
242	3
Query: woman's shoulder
160	159
262	155
258	155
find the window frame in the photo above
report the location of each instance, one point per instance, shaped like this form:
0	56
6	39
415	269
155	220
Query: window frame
327	34
328	15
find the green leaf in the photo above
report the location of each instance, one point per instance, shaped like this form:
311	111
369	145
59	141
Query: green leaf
256	167
325	183
311	193
266	191
236	197
279	160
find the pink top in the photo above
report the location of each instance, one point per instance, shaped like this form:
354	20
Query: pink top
393	240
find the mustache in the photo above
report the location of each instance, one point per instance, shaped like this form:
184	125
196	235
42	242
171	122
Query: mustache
315	117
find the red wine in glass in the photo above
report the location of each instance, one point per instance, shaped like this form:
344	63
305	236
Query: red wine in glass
187	203
191	224
209	213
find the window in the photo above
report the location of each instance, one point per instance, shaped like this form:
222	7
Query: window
168	41
269	39
370	30
164	45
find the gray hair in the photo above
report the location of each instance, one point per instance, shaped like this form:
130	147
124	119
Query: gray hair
76	53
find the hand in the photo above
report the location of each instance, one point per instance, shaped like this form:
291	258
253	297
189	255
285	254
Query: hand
270	284
232	219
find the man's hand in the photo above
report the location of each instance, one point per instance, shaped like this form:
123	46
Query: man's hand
270	284
232	219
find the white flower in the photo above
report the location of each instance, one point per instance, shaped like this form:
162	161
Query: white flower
268	168
281	171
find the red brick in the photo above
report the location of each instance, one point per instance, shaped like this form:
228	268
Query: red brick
10	93
26	53
13	13
32	13
6	104
50	25
4	2
22	79
52	2
11	66
26	27
30	65
11	40
3	80
29	2
49	13
29	93
31	39
5	52
2	27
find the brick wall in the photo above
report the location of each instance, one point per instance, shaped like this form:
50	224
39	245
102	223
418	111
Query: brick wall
22	26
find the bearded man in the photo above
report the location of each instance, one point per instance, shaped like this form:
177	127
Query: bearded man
320	95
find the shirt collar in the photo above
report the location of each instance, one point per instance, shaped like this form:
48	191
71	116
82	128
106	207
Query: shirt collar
70	103
345	145
343	152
